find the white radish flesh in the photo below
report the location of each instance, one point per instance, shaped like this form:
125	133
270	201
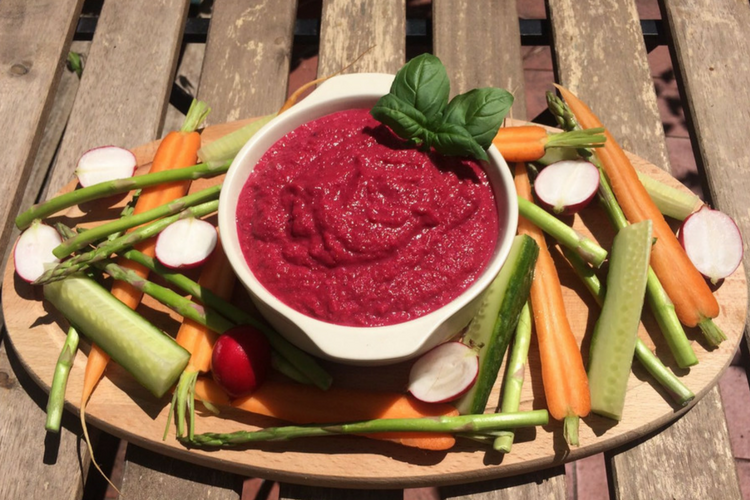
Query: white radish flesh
713	243
186	243
566	187
444	373
103	164
34	250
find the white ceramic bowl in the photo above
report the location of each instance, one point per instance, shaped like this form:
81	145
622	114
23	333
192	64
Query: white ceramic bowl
347	344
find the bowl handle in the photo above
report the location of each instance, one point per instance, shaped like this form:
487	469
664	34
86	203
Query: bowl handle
343	86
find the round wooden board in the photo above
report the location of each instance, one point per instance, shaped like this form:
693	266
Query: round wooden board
120	406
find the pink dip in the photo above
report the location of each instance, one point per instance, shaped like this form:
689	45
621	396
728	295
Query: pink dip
342	222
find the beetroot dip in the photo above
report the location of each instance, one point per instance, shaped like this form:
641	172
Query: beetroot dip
343	222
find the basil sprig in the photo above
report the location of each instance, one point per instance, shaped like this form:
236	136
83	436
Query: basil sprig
417	109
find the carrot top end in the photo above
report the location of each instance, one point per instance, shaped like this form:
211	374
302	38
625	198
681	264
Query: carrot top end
195	117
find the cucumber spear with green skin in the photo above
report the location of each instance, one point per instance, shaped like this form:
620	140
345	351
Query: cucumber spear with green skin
494	324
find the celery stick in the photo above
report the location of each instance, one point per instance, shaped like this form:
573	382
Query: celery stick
152	357
672	202
616	331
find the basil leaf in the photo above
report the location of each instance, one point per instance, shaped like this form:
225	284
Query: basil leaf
401	117
450	139
480	112
423	83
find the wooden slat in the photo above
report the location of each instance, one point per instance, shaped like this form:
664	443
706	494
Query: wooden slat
148	475
297	492
124	89
600	54
479	43
349	28
246	67
31	67
547	484
691	459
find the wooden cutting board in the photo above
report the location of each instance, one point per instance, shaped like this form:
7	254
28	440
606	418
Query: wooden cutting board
120	406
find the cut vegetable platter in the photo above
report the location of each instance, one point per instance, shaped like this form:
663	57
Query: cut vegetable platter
122	407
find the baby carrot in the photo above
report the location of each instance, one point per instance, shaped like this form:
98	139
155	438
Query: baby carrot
528	143
566	386
694	303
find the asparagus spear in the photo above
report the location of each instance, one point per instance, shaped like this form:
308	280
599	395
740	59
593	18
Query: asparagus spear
103	251
461	424
80	240
660	304
104	189
56	399
514	379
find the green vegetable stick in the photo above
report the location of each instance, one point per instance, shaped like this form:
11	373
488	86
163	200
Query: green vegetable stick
56	399
616	331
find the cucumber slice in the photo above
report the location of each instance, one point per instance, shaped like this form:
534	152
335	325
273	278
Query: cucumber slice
494	324
616	331
152	357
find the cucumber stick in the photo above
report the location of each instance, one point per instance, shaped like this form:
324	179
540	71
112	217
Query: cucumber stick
152	357
494	324
616	330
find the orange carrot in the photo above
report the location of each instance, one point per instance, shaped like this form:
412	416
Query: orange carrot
528	143
693	301
178	149
209	391
303	404
566	385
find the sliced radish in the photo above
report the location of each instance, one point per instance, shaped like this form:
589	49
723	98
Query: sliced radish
444	373
186	243
713	243
106	163
34	250
567	186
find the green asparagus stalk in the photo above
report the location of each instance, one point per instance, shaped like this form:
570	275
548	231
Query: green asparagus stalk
513	382
124	223
302	361
460	424
660	304
673	385
564	234
104	189
103	251
56	399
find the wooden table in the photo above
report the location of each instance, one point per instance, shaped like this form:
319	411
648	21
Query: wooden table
50	116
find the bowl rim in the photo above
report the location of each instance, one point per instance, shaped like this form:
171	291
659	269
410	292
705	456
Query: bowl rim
351	344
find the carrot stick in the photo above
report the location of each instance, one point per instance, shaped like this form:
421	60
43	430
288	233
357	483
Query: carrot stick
528	143
302	404
178	149
566	385
694	303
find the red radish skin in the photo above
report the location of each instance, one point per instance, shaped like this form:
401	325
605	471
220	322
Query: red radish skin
444	373
186	244
34	250
106	163
713	243
240	360
567	187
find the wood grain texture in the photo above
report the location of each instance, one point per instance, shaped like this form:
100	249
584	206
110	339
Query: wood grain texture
148	475
121	406
548	484
349	28
479	43
600	56
124	89
246	66
703	469
30	68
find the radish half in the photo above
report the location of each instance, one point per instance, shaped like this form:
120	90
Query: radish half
34	250
444	373
106	163
240	360
186	243
713	243
566	187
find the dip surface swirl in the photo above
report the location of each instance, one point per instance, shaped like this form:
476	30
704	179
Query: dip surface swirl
344	223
